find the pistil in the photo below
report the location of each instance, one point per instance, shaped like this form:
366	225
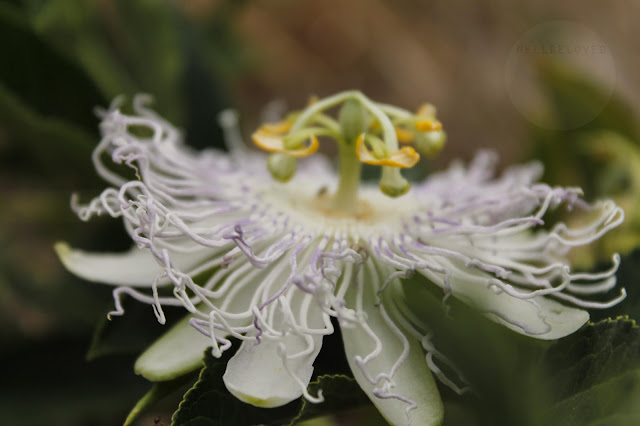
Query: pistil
346	197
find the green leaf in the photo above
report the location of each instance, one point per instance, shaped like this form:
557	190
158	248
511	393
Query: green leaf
158	392
612	402
596	375
596	353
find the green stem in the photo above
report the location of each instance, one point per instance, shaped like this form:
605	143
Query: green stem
320	106
346	197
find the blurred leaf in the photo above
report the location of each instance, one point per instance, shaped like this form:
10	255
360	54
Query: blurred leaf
49	383
149	46
214	58
612	402
574	97
599	156
458	411
563	151
45	140
42	79
76	27
127	47
220	47
204	97
596	375
46	105
617	161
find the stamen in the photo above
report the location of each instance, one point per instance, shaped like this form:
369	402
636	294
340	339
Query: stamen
404	136
404	158
271	142
427	125
279	128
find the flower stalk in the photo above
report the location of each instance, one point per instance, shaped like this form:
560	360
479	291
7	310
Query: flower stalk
345	198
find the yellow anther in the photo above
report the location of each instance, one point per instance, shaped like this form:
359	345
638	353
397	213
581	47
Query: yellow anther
405	157
312	100
375	125
280	128
426	110
272	142
376	146
427	125
404	135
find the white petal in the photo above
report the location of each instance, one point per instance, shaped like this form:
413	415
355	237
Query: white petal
539	317
549	321
135	268
177	352
257	376
413	379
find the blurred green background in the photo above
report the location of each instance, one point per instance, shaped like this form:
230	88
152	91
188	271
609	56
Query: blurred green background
196	57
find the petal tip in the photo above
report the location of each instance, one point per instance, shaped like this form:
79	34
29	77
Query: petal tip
177	352
257	374
272	402
63	250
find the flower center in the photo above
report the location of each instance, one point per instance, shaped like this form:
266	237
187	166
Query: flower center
309	201
365	131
